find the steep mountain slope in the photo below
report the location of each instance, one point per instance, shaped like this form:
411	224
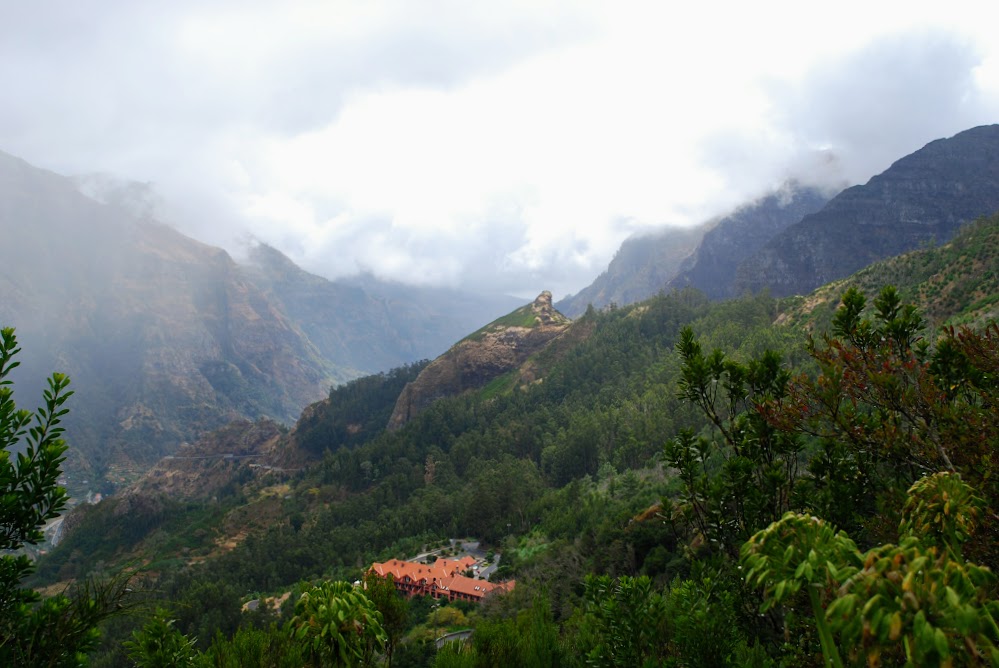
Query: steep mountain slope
565	476
922	198
222	457
165	338
492	351
162	336
640	269
956	283
704	256
737	236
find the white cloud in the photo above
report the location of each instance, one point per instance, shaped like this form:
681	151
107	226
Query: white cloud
505	146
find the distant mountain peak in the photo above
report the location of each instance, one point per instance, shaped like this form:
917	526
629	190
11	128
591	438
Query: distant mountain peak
711	268
923	197
166	337
704	256
640	269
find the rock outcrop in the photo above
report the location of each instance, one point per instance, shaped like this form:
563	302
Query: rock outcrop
498	348
200	470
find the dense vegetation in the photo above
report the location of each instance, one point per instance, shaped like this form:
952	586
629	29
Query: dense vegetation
61	629
355	411
639	493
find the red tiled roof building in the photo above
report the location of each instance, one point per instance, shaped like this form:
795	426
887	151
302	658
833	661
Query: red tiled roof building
442	579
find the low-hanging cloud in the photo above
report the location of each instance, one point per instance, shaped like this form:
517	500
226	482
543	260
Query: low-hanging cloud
888	99
505	147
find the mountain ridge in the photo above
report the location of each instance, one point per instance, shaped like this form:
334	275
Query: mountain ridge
921	198
704	256
640	268
711	268
496	349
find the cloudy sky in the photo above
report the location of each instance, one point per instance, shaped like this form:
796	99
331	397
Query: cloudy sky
505	146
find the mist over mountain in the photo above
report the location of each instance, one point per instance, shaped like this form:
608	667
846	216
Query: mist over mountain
922	198
641	268
165	337
711	267
794	239
535	437
705	256
365	325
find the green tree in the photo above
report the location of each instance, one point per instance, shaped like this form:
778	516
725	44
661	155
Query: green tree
704	630
339	625
624	622
918	601
393	607
528	637
886	408
254	648
741	481
60	630
159	644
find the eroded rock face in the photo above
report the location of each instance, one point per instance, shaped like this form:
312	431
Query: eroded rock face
497	348
736	237
166	338
704	257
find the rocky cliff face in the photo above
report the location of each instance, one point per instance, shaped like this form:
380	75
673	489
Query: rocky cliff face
736	237
921	199
502	346
704	257
640	269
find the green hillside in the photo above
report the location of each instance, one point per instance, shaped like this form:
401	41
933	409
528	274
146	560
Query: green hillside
620	486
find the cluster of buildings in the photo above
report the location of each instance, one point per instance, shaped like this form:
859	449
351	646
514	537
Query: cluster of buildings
443	579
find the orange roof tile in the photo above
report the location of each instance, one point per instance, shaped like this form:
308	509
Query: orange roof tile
445	574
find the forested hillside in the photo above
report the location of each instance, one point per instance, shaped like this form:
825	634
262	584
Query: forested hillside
690	483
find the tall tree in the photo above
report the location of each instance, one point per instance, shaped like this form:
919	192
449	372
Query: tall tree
742	477
60	630
393	607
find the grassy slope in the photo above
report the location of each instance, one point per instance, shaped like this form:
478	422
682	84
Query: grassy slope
521	317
